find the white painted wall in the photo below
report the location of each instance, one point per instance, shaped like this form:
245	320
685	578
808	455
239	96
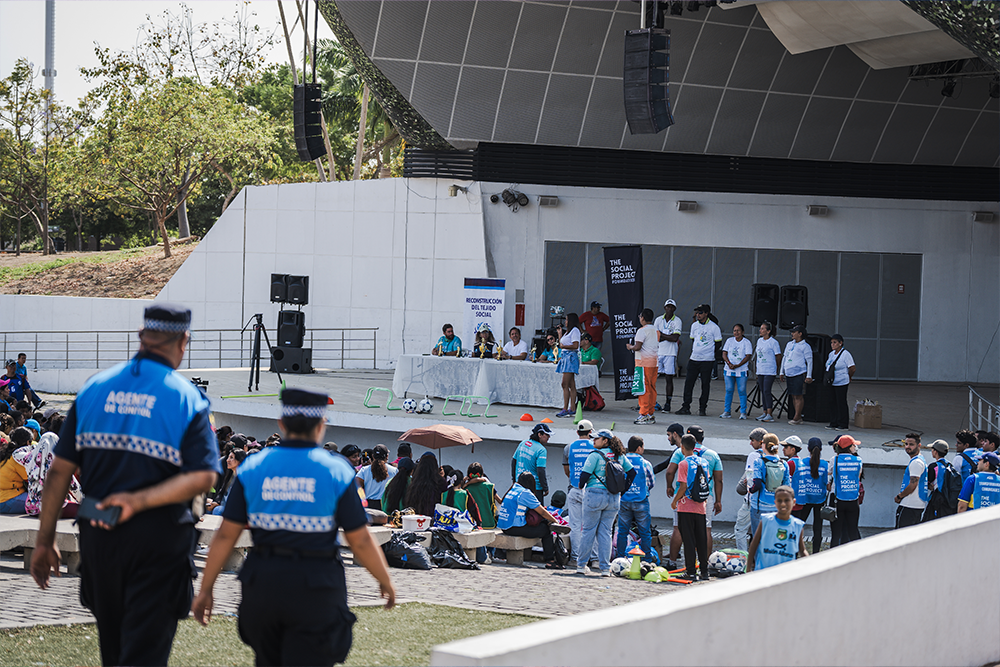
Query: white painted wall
387	253
865	603
960	302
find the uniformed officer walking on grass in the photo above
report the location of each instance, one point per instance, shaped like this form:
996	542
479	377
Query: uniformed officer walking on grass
140	437
294	497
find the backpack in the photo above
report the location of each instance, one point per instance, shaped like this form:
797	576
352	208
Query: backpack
614	476
970	461
591	399
561	554
774	475
950	486
698	490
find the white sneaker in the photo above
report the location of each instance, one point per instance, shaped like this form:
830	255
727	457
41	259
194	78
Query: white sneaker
767	418
583	570
743	415
725	415
606	573
760	417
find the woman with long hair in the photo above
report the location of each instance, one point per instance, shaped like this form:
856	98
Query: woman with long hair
569	362
218	500
846	485
374	476
426	486
769	472
810	482
395	490
13	476
600	506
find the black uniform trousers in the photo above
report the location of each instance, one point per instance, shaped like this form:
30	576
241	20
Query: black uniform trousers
136	579
695	370
294	611
695	538
845	528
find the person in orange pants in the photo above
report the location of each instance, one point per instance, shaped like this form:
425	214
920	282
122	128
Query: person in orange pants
645	346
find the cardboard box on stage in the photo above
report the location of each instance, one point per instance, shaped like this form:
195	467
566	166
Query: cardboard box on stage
868	416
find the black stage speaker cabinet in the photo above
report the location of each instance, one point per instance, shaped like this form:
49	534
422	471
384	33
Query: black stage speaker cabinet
291	359
647	72
279	288
817	405
793	306
298	290
291	328
764	304
306	113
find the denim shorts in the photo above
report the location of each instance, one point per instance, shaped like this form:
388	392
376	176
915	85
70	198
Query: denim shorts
796	384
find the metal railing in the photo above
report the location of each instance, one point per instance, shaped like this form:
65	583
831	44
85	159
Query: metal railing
209	348
983	415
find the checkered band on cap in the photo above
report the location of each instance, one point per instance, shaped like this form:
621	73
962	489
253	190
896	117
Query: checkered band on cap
311	411
150	324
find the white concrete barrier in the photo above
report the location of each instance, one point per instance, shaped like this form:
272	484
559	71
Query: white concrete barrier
925	595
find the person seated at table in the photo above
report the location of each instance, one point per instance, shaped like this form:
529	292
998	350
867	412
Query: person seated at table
448	345
515	348
590	354
522	515
550	353
485	346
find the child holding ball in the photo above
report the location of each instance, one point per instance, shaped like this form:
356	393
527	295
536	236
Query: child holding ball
779	532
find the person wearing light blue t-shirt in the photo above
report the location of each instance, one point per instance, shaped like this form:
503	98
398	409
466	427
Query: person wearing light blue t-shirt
715	486
448	345
574	456
600	505
375	477
983	488
762	500
967	458
512	517
778	537
530	457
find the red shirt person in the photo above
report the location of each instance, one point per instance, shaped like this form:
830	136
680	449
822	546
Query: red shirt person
595	323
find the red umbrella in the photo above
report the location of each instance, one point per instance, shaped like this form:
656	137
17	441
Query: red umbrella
440	435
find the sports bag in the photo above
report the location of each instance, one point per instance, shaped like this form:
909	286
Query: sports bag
698	490
591	399
774	475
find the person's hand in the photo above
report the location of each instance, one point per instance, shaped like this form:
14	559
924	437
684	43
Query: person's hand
202	606
44	560
809	380
389	593
718	506
673	505
781	377
127	501
670	491
896	500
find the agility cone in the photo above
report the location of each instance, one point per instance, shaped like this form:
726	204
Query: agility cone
547	421
635	571
579	412
527	417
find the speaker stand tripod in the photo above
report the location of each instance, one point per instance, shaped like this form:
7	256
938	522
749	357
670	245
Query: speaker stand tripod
258	328
779	404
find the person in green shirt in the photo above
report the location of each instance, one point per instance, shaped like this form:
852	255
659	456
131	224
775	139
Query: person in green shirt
589	353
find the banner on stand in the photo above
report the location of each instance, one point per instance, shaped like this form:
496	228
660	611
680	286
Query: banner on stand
623	266
483	303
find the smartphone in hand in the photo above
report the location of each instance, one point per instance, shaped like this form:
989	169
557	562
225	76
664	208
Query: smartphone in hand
88	512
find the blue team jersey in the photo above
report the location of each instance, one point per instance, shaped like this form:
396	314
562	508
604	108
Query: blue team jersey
921	479
576	455
639	490
16	387
529	457
847	476
809	490
779	540
763	500
981	490
517	502
967	466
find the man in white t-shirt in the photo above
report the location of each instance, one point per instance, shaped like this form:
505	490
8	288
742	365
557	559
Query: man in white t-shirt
668	329
515	348
705	335
645	348
912	496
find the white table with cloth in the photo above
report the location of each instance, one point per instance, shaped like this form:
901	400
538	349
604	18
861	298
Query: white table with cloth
509	382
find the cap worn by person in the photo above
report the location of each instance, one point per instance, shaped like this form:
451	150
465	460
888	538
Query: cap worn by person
405	464
166	317
4	382
670	302
559	498
48	413
31	423
792	441
676	428
541	428
799	328
815	443
697	431
303	403
940	446
584	427
595	303
702	308
605	433
992	460
239	440
845	441
758	434
350	450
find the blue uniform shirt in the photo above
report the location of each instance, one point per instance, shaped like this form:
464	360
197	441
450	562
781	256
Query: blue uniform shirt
641	485
576	455
529	457
453	345
763	500
16	387
847	476
135	425
809	490
517	502
779	540
981	490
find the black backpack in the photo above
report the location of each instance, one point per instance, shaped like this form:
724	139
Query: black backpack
951	485
614	476
698	490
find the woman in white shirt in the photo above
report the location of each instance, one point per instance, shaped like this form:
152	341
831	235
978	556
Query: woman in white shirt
842	364
736	355
766	363
797	364
569	362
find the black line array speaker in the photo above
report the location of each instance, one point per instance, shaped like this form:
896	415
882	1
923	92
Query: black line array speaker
764	304
647	72
291	359
817	399
307	114
298	290
291	328
793	306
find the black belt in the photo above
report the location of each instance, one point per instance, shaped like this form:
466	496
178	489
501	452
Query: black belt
267	550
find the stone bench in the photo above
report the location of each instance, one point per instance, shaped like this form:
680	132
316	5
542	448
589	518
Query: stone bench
516	547
477	538
21	531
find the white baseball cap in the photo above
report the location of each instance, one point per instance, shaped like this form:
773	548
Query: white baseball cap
670	302
585	426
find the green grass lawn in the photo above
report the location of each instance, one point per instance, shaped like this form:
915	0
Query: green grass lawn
402	636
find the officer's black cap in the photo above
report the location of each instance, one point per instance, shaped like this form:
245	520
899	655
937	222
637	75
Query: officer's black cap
301	402
167	317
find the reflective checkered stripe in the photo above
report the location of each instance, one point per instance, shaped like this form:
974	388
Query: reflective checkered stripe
312	411
124	442
165	325
291	522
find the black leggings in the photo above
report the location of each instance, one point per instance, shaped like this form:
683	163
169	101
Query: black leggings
543	531
845	528
840	416
803	514
695	537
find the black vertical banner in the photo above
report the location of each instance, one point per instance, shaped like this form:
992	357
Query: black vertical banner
623	266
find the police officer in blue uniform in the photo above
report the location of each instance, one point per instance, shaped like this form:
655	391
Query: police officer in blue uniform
140	437
294	497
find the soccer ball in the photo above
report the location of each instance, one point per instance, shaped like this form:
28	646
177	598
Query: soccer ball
410	405
620	567
425	405
735	566
718	560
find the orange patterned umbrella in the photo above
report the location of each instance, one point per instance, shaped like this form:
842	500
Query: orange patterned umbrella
440	435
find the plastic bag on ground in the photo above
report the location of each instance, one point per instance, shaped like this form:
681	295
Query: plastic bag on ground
403	551
445	551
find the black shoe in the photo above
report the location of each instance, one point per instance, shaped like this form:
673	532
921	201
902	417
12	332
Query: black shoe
683	411
40	405
702	413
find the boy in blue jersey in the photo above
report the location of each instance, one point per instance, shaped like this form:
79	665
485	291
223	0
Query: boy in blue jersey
634	505
777	534
983	488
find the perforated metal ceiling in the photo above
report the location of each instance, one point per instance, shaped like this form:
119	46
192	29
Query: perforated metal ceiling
550	73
